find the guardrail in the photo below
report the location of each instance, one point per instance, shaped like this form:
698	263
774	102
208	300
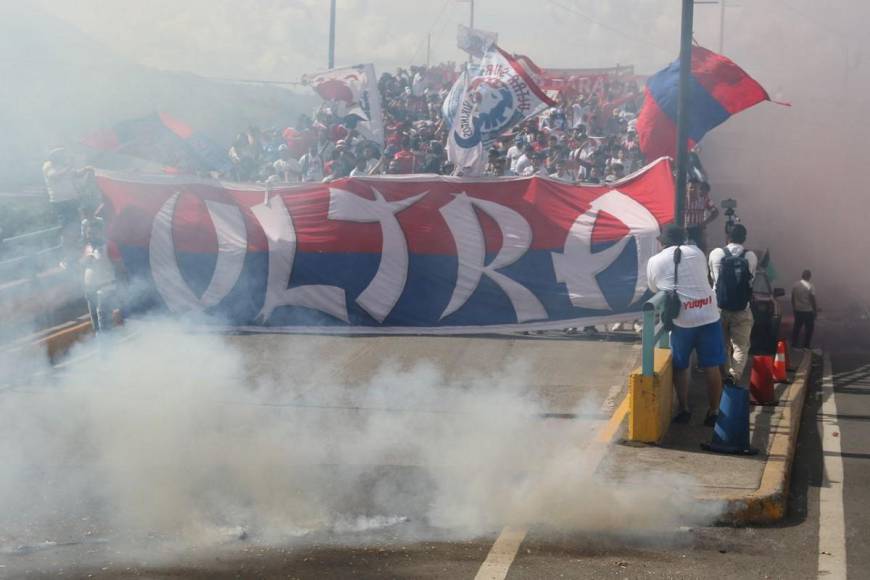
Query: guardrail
654	333
650	387
30	253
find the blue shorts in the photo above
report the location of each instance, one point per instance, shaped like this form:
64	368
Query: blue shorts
708	340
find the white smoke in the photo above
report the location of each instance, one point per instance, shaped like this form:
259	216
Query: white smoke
168	435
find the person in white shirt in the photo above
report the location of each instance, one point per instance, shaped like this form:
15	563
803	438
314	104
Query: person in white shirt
64	185
537	167
311	165
525	160
803	303
577	112
562	173
359	170
698	326
514	153
287	169
737	320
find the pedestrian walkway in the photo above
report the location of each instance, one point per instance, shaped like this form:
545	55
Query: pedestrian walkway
751	489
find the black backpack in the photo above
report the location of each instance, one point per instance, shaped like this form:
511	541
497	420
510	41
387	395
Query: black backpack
734	284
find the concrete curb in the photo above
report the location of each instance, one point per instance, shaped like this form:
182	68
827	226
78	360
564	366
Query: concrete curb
55	341
768	503
59	343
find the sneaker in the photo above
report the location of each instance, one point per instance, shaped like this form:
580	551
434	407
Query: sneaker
682	418
710	419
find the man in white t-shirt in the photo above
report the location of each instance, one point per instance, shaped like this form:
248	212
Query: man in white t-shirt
524	161
514	153
697	327
737	321
803	303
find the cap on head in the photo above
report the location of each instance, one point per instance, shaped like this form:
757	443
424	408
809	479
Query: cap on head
673	235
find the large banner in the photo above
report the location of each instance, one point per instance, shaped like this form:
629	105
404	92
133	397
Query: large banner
490	99
399	254
353	90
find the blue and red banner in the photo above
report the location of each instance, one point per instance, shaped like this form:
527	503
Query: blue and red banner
398	254
718	89
163	139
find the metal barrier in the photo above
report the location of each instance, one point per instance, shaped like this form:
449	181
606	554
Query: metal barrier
31	253
650	387
654	333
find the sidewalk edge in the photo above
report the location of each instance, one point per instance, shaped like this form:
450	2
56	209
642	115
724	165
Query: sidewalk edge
768	503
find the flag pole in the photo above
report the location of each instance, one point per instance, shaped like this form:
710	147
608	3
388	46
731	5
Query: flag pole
683	108
471	22
332	34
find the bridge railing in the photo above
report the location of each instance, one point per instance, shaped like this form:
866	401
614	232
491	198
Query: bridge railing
28	254
654	333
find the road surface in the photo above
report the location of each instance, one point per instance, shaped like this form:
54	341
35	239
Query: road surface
820	536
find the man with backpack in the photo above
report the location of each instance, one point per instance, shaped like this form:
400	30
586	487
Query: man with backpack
732	269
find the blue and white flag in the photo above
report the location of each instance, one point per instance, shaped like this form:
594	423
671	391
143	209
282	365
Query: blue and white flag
497	95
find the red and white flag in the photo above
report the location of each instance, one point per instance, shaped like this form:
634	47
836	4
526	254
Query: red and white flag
354	92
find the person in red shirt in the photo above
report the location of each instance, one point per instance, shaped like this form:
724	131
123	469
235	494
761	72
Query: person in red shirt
405	158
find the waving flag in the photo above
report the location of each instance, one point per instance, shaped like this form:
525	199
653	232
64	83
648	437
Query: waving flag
417	254
498	94
164	139
354	92
718	89
475	41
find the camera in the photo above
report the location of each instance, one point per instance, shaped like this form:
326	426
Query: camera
731	218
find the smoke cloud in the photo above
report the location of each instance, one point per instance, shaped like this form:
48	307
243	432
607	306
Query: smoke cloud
174	438
796	171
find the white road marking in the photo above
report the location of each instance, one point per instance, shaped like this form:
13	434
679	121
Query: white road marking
502	554
506	546
832	523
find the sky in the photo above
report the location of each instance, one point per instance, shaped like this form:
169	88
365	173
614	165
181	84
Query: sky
283	39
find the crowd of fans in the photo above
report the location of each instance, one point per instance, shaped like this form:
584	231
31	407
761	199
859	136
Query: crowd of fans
589	136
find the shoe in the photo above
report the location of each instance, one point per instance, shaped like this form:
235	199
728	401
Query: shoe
710	419
682	418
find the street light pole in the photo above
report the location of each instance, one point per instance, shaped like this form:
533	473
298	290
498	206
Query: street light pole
683	104
332	34
471	20
721	26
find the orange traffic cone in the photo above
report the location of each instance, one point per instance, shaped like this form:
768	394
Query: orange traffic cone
761	380
780	366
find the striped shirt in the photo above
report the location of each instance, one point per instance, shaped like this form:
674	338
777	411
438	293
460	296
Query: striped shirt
697	210
693	286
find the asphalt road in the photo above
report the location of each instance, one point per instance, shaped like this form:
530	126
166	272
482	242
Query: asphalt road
413	548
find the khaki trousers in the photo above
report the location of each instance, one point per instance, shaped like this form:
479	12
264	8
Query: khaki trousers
737	326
